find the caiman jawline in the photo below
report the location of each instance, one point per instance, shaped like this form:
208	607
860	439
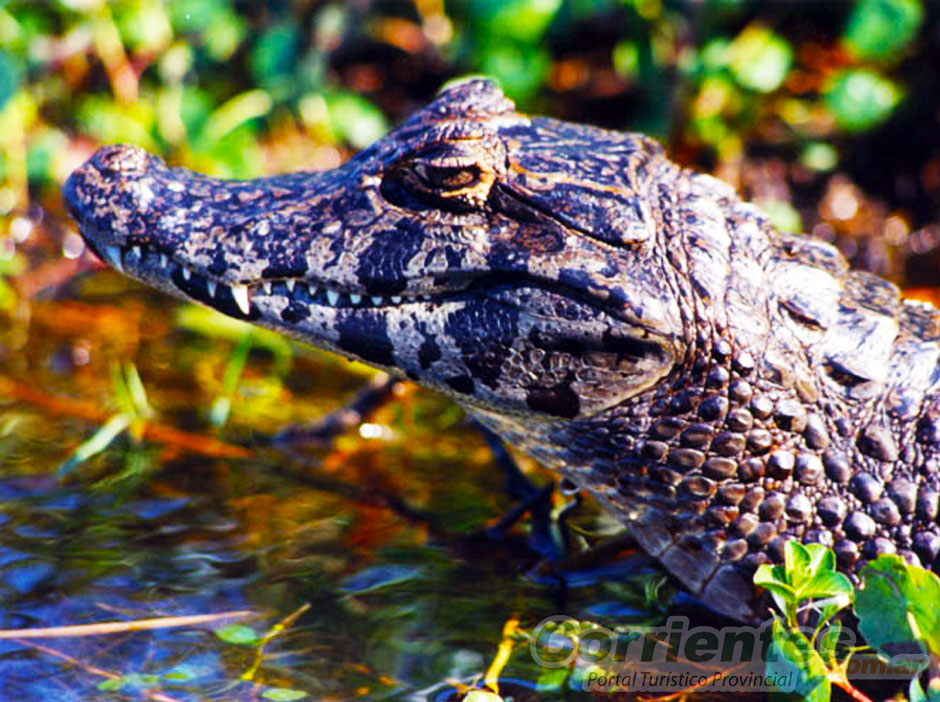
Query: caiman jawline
235	298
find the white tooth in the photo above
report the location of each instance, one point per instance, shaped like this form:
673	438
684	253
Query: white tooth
332	297
290	284
163	261
395	299
354	298
267	287
113	254
240	293
311	290
377	300
137	253
186	272
210	285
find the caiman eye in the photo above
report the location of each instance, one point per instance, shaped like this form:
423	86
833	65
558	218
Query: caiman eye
448	177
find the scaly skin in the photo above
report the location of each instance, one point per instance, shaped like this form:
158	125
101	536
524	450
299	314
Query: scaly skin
719	386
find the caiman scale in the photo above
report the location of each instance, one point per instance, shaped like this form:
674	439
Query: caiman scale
717	385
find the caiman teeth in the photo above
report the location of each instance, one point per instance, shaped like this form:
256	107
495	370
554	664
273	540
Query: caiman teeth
240	293
112	255
317	293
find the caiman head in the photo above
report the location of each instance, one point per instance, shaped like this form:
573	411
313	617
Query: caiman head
510	262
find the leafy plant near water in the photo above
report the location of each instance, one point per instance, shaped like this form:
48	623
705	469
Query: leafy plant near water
897	606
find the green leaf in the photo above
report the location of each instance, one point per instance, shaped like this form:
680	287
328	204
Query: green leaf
808	572
184	672
774	578
552	679
355	119
111	122
879	28
784	215
760	59
791	657
144	25
626	59
519	68
283	694
98	442
237	634
899	605
11	74
860	99
820	156
523	20
274	54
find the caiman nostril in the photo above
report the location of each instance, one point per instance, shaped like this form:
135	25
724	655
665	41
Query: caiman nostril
118	158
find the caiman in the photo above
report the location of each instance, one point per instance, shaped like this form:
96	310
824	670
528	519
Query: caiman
719	386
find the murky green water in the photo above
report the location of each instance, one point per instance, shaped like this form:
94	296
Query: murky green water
190	511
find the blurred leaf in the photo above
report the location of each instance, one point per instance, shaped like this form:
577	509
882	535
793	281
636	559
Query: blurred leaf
98	442
820	156
520	69
274	54
879	28
184	672
144	24
283	694
714	55
44	147
175	62
355	119
219	413
195	15
222	29
202	320
378	577
717	95
10	77
859	99
110	122
626	59
783	215
237	634
760	59
224	36
235	112
195	108
523	20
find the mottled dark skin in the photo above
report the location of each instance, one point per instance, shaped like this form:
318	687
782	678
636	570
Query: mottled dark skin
718	386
